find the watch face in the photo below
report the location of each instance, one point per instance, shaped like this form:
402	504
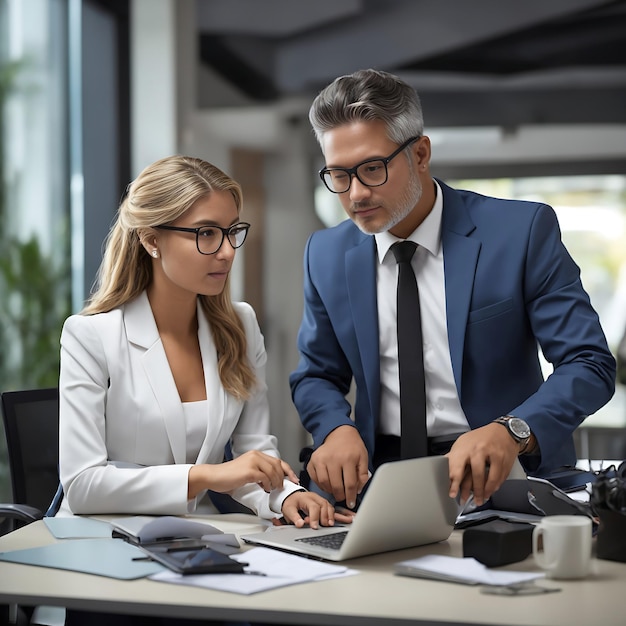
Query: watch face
519	428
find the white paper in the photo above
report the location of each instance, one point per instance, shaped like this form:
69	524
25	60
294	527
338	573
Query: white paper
463	570
267	569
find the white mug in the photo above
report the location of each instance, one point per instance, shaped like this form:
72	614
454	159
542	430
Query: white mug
562	545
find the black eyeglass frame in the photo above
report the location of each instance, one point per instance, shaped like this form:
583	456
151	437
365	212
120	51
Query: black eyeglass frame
225	234
353	171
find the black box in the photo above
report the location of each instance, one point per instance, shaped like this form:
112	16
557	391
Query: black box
498	542
611	537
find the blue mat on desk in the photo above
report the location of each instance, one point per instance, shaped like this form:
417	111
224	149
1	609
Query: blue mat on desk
77	527
103	557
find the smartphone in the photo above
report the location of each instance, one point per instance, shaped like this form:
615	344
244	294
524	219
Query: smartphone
195	559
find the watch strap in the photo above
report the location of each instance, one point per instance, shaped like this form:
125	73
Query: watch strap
522	442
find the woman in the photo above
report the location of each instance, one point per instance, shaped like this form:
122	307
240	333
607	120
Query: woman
161	371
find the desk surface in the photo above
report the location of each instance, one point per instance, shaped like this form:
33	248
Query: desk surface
372	598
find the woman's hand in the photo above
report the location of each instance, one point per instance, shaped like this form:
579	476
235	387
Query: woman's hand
305	507
251	467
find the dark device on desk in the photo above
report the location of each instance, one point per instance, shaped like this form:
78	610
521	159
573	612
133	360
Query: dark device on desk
570	479
518	499
188	558
498	542
548	499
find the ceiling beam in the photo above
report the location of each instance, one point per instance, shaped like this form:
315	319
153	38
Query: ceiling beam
405	31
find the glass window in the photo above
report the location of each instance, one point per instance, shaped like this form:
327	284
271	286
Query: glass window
34	205
592	215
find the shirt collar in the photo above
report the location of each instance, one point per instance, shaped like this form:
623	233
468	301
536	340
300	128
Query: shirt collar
427	234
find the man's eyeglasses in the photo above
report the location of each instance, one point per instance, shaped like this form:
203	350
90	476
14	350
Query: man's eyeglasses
209	239
371	173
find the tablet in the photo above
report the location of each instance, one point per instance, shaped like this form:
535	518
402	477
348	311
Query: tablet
192	559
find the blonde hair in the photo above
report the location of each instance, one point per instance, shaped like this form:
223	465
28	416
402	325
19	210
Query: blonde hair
160	194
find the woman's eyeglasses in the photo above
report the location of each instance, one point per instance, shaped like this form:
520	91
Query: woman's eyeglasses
209	239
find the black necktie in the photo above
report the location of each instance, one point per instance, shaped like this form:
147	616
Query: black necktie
413	442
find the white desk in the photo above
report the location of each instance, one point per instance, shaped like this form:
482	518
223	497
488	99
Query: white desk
375	597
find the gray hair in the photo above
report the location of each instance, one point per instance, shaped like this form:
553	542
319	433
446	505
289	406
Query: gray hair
368	95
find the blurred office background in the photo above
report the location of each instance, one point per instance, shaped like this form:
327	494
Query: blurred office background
524	100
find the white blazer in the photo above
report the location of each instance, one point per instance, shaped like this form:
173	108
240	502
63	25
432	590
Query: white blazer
122	437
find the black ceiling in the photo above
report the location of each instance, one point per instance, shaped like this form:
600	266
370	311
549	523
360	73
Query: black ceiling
473	63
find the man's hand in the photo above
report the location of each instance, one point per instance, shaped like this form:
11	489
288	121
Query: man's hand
316	509
339	465
480	461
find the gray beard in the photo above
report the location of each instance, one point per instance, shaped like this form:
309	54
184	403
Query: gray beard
411	196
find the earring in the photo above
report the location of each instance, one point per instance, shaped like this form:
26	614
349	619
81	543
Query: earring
155	254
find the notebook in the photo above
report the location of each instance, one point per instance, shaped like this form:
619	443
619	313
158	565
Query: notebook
406	504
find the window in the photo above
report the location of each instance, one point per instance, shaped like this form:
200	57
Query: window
34	207
592	215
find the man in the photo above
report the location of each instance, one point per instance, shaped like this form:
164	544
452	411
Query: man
495	282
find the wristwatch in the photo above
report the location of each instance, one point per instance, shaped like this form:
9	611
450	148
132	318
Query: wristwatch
518	429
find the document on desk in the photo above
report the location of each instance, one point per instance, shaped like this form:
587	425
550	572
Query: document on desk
267	569
142	529
466	570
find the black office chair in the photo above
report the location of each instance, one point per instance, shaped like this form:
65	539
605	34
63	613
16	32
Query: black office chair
31	426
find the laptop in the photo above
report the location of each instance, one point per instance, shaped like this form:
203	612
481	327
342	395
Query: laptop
406	504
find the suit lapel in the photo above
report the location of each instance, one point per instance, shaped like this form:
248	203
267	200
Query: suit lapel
218	399
361	287
460	256
142	332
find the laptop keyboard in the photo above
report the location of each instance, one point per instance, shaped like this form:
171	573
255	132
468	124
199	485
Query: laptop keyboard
332	541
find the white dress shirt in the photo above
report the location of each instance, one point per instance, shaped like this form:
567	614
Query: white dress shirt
444	414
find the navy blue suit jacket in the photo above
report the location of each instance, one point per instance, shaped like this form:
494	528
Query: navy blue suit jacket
510	286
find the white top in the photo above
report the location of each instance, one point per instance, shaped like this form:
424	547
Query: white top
444	414
196	418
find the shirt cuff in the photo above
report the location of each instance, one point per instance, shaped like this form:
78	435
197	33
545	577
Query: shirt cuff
278	496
